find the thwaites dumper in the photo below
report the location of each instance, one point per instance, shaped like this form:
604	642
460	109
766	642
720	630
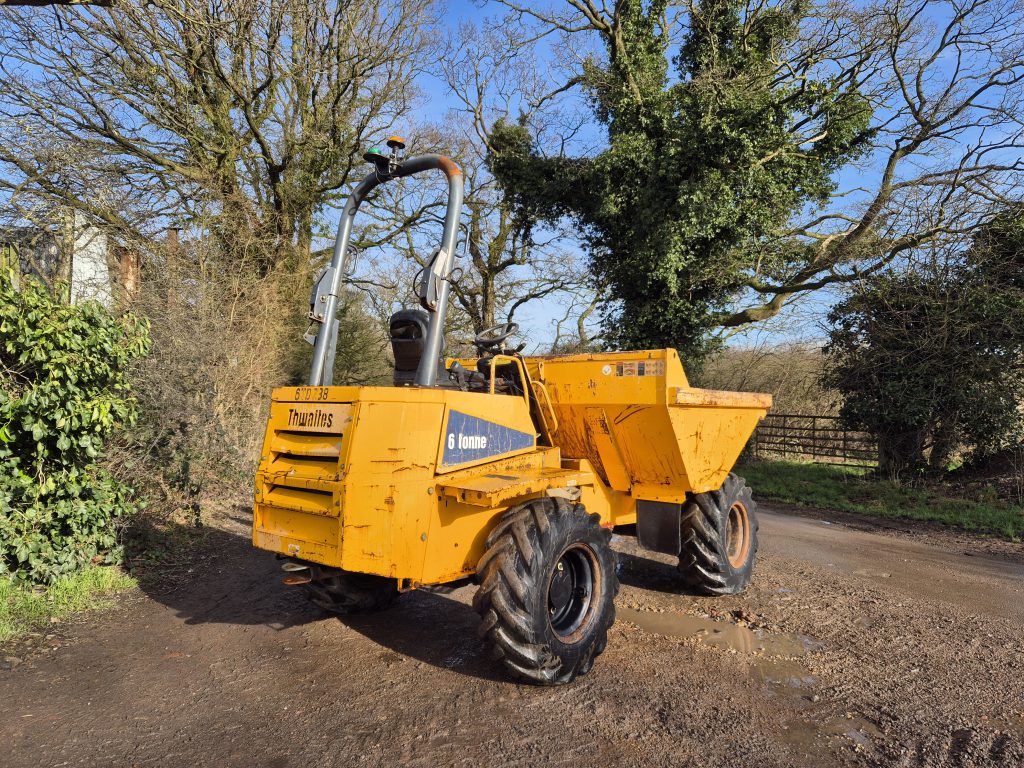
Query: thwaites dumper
508	469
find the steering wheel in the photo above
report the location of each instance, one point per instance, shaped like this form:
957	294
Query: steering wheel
495	337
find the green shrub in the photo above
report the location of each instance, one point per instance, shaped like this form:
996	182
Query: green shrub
63	392
928	357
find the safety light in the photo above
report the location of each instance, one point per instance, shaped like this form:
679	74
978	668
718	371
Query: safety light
376	156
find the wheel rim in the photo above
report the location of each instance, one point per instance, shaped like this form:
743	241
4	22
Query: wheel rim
737	534
573	592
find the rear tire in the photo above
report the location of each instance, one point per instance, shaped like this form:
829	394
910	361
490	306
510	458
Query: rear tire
719	539
345	592
547	590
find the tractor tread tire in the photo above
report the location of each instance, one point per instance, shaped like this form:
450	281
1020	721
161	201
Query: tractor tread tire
512	598
703	557
345	592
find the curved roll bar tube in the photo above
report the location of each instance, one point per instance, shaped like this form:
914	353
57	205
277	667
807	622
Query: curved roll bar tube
320	374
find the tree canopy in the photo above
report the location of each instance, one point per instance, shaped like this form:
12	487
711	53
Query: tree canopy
930	359
242	118
718	197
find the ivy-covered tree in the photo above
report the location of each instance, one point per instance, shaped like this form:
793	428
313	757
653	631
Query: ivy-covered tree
706	156
717	198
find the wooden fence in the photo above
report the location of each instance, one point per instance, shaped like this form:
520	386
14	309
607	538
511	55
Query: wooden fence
821	439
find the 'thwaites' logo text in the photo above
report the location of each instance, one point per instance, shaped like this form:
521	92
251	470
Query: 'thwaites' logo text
315	419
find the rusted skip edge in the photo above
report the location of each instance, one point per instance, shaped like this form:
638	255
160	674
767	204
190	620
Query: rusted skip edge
714	398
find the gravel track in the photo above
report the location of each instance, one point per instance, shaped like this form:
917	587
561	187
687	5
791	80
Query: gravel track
855	646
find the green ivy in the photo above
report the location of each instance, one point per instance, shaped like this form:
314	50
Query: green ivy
705	164
64	390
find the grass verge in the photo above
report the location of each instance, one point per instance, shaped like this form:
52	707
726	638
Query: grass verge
853	489
22	608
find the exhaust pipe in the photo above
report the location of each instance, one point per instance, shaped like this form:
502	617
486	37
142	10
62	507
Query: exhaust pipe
297	578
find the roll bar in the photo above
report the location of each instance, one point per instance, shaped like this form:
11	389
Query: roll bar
437	272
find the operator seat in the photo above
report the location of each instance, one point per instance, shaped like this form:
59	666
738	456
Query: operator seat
408	333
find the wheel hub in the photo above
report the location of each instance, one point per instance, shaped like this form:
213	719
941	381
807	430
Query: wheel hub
737	534
570	591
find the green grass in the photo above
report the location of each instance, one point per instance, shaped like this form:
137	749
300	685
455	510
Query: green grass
22	608
852	489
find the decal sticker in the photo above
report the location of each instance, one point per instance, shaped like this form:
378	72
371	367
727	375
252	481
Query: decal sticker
469	438
641	368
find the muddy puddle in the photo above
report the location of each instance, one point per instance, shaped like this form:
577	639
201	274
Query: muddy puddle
805	735
777	663
776	658
720	634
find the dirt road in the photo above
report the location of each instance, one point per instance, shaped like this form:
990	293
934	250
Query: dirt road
853	648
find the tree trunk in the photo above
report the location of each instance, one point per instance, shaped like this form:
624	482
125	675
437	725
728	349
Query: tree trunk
943	445
899	453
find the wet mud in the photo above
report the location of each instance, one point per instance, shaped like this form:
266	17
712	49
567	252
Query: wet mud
719	634
853	647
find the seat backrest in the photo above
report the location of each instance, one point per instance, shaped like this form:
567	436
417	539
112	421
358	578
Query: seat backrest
408	332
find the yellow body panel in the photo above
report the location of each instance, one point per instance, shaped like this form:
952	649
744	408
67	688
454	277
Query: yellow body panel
407	482
636	418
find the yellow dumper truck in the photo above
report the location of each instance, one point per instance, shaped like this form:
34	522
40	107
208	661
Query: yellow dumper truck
506	469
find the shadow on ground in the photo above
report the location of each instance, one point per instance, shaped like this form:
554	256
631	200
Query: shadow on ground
434	629
223	579
638	571
231	582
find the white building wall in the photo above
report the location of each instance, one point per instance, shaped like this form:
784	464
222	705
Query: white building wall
90	275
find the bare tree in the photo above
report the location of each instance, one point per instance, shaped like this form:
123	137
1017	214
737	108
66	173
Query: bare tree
247	113
945	79
505	264
578	314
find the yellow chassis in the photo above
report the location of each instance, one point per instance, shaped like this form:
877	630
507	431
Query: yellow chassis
407	482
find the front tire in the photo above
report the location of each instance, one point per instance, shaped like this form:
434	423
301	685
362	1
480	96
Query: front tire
547	590
719	539
345	592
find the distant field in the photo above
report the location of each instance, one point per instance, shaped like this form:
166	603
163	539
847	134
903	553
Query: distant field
854	489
